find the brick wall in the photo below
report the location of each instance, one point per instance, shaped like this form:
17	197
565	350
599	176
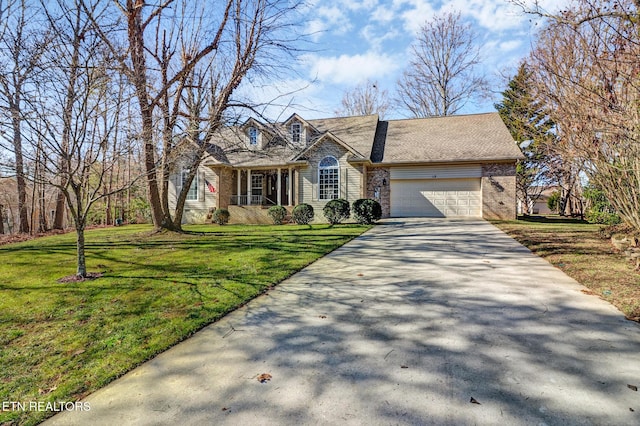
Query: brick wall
376	178
224	186
499	191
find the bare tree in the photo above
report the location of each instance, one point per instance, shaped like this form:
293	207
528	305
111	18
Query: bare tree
79	105
442	75
586	66
365	99
23	44
165	49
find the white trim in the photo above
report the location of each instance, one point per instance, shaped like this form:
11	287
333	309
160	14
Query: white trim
437	172
195	181
337	169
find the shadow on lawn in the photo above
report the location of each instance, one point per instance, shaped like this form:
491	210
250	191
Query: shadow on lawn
553	220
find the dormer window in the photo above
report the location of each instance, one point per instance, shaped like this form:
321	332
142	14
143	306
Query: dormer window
296	132
253	136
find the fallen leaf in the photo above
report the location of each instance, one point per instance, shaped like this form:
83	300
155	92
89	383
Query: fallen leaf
264	377
633	388
474	401
78	352
361	275
587	291
224	409
404	366
631	409
322	316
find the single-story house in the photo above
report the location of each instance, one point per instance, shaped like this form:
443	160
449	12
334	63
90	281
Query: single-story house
540	205
456	166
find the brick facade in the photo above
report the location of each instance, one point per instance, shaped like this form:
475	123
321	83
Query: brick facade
499	191
378	188
224	186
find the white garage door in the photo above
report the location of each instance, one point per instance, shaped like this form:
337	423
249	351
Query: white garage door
436	198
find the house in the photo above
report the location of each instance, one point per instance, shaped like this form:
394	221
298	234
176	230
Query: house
540	205
456	166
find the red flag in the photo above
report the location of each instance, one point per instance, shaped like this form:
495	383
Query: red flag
211	187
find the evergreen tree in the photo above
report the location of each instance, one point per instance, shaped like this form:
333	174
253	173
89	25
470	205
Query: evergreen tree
531	128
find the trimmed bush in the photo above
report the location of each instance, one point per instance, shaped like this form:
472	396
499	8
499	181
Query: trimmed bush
336	211
277	214
221	216
302	214
366	211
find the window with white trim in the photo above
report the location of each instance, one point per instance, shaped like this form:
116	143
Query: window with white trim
256	184
328	179
296	132
192	195
253	136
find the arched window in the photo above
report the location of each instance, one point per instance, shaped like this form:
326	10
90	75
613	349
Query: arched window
328	179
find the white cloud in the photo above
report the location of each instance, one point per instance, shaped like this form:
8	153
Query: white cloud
352	69
382	15
375	35
359	5
328	19
414	13
509	45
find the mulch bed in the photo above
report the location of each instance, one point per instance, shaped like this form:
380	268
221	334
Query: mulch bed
78	279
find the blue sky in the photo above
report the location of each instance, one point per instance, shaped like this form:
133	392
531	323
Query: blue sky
356	40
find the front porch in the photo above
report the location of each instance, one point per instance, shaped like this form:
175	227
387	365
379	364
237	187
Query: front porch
263	187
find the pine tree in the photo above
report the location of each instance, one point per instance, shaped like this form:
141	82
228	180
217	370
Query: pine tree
531	128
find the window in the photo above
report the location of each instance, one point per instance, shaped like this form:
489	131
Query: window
253	136
328	179
192	195
256	184
296	132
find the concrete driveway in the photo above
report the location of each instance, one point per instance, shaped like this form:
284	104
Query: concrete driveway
408	324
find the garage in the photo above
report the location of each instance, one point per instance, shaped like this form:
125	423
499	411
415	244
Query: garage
436	192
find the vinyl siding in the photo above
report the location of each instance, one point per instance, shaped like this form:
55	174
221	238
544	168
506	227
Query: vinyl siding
350	177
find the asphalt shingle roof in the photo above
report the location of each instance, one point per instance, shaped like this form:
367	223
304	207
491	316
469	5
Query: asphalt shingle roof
477	137
463	138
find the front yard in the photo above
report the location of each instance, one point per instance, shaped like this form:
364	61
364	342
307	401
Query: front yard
62	341
580	250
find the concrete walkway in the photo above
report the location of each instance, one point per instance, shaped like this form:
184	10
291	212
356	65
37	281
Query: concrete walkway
407	324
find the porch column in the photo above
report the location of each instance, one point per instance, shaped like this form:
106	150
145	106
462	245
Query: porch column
238	187
248	187
290	189
279	186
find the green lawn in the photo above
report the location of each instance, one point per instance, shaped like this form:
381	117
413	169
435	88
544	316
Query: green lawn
62	341
585	254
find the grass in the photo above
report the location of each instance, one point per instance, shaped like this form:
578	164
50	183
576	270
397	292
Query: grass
580	250
62	341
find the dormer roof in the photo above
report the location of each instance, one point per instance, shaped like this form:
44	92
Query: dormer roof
295	117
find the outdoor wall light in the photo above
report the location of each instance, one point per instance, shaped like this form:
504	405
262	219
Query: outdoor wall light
384	182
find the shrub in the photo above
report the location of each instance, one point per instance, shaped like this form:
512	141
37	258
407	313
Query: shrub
599	208
302	214
336	211
221	216
554	201
277	214
602	217
366	211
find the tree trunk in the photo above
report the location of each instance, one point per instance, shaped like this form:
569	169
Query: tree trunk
82	261
20	176
58	219
1	219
